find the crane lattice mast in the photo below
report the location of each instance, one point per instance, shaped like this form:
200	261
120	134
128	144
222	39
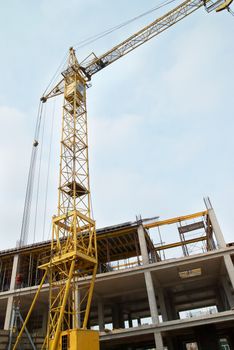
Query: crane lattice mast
73	246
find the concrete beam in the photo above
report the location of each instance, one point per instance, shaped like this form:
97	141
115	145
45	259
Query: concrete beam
159	266
221	317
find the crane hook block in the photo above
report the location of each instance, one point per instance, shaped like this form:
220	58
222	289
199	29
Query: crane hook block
224	6
35	143
43	99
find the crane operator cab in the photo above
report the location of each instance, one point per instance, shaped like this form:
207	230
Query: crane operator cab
218	5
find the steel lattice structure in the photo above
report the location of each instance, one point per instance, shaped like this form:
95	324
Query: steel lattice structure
73	247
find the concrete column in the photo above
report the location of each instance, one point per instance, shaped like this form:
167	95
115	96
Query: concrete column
130	320
77	300
143	245
170	314
228	293
220	299
101	321
10	300
14	271
44	319
207	337
230	268
117	317
151	297
158	341
162	304
216	228
211	244
7	321
169	343
231	338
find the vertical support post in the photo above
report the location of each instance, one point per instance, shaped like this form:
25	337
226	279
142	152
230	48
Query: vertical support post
162	304
130	320
79	310
153	308
227	290
101	321
30	270
149	286
117	316
11	328
10	298
229	267
137	250
151	297
215	224
76	306
158	341
9	308
44	320
14	271
115	320
143	244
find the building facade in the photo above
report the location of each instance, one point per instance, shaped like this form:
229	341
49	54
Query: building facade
145	297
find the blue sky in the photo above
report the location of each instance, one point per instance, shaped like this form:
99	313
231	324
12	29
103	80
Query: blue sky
160	119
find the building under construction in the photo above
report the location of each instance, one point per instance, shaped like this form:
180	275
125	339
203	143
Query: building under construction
141	297
120	287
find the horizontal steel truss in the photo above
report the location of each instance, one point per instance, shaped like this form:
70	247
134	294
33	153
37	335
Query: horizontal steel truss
139	38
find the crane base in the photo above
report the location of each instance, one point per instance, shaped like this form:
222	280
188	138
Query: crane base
76	339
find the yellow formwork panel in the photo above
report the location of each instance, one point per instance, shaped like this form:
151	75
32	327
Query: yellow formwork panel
78	339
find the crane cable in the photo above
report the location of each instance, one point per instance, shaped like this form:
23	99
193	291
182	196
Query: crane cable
39	176
106	32
57	73
30	181
48	170
93	38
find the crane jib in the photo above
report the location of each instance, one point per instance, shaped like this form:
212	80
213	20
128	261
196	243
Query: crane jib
150	31
142	36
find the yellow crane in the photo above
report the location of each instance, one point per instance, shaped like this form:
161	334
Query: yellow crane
73	244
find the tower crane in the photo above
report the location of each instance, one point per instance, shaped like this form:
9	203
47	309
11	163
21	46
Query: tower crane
73	245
